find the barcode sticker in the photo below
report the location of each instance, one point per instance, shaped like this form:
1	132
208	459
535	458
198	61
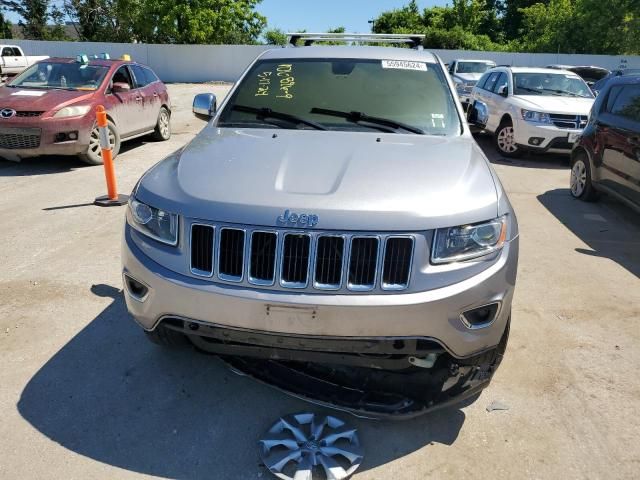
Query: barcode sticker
404	65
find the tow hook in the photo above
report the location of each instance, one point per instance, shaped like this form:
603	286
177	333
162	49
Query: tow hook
426	362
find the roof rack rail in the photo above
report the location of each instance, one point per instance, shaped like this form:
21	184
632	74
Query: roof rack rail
415	40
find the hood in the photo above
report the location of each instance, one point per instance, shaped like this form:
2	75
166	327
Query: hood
468	77
556	104
351	181
32	99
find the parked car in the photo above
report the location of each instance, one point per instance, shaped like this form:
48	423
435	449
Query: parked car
335	219
465	74
600	84
589	74
537	109
13	60
607	157
49	109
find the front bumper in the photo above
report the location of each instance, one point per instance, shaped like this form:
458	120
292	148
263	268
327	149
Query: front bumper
432	316
550	137
47	128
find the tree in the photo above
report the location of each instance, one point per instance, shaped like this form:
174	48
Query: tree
105	20
5	27
275	36
38	19
200	21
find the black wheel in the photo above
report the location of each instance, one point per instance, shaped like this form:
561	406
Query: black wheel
166	337
505	140
163	126
580	184
93	156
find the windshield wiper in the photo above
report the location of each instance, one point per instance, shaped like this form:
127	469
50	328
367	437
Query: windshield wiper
357	117
527	89
562	92
262	113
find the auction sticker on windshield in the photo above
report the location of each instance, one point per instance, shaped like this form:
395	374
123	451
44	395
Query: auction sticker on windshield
29	93
404	65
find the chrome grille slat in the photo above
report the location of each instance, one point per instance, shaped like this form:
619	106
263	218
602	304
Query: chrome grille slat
397	263
569	121
363	263
231	254
202	238
301	259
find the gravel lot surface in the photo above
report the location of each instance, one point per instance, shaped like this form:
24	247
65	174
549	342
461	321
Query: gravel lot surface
83	395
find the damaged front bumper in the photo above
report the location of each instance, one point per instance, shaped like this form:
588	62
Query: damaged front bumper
380	378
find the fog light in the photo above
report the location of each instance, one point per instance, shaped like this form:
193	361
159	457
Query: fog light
73	135
137	290
536	141
480	317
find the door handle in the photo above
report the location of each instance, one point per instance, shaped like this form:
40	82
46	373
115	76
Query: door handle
138	99
155	94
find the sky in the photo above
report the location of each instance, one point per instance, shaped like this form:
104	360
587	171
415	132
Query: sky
321	15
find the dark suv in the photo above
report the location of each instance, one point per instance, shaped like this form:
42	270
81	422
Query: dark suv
607	156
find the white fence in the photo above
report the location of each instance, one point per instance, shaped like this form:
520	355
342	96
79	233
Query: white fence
202	63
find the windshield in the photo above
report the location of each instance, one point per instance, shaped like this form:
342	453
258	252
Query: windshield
473	67
343	94
72	76
555	84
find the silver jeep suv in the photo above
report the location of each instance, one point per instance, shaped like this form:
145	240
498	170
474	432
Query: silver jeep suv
334	230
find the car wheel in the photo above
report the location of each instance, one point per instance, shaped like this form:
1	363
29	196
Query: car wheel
163	126
506	142
580	184
93	156
166	337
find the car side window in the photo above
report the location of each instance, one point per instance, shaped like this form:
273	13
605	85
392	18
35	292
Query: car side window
491	81
16	52
483	80
140	76
7	52
500	82
151	76
122	75
627	103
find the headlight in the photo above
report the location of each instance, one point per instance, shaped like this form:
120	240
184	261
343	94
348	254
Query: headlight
535	117
73	111
456	244
153	222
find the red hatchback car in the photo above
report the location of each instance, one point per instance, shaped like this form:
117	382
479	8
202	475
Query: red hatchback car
50	109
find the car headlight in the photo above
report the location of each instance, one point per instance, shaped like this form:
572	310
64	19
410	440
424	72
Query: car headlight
73	111
456	244
535	117
153	222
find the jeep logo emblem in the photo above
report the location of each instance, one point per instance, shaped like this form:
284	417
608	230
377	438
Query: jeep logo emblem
298	219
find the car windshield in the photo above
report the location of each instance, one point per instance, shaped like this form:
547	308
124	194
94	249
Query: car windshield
555	84
343	94
473	67
52	75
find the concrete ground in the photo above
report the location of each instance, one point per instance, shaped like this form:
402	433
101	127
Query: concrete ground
83	395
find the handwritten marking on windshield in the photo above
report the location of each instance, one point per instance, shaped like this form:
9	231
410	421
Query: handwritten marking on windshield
264	82
287	81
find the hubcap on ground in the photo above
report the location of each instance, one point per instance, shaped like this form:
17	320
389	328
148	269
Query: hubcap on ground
578	178
307	447
506	140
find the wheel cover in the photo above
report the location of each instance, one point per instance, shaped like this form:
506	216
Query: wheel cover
298	446
578	178
163	124
506	140
94	142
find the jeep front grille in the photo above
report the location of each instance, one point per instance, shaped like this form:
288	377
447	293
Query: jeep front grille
302	259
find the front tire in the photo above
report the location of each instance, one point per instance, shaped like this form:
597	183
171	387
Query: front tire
506	142
162	132
93	155
581	182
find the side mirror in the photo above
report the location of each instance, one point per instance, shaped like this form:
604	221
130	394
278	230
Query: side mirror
478	115
120	87
205	105
503	91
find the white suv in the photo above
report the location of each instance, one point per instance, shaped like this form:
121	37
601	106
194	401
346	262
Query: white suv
537	109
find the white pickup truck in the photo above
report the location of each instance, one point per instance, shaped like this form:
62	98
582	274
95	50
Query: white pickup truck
13	60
